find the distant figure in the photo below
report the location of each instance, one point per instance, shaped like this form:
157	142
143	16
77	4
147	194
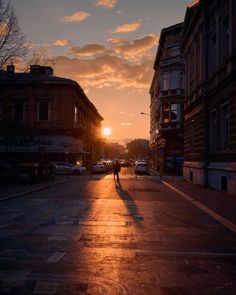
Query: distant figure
116	169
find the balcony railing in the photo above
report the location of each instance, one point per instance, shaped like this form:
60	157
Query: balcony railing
171	60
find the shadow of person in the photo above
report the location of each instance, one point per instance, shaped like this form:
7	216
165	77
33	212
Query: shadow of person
129	202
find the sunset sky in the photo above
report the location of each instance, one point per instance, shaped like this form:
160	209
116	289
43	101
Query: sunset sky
107	46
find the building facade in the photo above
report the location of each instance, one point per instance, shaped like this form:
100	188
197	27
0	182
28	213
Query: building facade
208	43
46	118
167	98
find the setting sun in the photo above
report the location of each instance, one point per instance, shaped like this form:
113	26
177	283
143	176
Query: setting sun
107	131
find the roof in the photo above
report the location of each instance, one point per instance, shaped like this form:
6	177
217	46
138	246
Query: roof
43	78
190	15
164	32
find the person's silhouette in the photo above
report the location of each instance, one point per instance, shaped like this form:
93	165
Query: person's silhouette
116	169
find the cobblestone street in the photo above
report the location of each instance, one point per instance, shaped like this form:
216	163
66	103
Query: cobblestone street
96	236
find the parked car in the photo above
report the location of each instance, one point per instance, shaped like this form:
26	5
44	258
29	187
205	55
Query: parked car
68	168
99	167
141	168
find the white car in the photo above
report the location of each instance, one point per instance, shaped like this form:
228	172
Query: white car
68	168
98	168
141	168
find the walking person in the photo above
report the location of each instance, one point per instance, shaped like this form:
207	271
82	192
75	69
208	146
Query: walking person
116	170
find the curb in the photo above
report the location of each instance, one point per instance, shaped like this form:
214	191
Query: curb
31	190
230	225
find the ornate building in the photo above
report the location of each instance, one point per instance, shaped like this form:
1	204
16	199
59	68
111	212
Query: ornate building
46	118
167	97
208	44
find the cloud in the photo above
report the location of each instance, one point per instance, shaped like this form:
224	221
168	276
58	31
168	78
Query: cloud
126	124
127	28
88	50
56	43
106	3
123	64
137	48
105	71
118	41
77	16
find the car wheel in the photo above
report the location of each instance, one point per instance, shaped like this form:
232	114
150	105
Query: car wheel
76	172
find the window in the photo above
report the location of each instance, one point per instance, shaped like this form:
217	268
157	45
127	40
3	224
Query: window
174	51
1	111
166	81
182	86
18	111
76	114
225	126
171	112
192	63
174	79
192	136
165	110
225	38
43	111
213	55
213	130
174	112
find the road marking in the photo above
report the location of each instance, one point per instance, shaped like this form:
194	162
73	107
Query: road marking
208	211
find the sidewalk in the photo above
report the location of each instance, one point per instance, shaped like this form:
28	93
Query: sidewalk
219	205
14	189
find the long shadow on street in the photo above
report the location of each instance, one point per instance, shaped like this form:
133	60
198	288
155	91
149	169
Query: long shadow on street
129	202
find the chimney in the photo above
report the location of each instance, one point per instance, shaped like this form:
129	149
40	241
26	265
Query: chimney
41	70
11	69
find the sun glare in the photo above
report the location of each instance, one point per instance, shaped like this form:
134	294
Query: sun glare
107	131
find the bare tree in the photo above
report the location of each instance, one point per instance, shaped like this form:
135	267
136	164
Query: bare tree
12	40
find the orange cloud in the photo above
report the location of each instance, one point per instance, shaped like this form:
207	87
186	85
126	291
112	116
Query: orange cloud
137	48
127	28
123	64
126	124
77	16
58	43
106	3
118	41
105	71
61	42
88	50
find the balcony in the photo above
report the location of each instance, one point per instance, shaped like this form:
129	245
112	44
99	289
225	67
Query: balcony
171	92
171	60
